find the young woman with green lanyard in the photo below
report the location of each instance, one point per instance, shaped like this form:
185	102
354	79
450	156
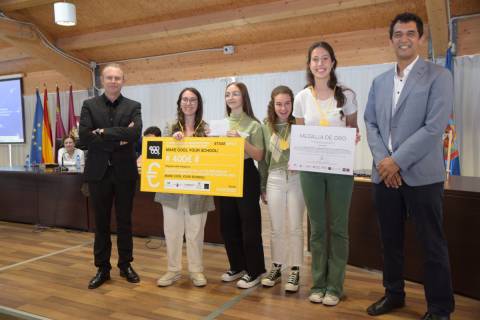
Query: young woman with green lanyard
325	103
240	218
282	191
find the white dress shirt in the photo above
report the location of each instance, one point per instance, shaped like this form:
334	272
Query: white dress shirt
398	84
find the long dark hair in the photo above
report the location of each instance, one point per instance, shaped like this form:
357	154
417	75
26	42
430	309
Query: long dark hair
271	114
199	123
246	105
332	81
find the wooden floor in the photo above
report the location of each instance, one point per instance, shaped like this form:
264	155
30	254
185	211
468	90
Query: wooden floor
46	274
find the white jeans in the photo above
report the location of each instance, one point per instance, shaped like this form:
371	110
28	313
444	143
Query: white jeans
176	223
286	207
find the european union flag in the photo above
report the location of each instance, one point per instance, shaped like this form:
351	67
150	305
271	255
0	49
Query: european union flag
36	146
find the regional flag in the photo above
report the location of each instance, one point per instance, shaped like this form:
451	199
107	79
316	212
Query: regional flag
37	130
72	120
59	127
60	132
47	141
451	154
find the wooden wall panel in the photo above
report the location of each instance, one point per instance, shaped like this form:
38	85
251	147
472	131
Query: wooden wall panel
319	25
49	77
468	36
275	56
352	48
11	53
12	66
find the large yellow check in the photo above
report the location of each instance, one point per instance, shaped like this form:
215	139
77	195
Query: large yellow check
206	166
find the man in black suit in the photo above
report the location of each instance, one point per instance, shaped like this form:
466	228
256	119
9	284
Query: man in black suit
110	125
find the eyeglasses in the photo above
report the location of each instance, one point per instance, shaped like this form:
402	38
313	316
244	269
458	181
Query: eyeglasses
186	100
233	94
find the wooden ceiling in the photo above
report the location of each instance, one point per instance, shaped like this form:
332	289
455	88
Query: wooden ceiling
112	30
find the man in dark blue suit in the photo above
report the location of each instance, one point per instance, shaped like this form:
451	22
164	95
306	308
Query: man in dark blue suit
110	125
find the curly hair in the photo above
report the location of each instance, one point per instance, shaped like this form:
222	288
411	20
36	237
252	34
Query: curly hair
271	114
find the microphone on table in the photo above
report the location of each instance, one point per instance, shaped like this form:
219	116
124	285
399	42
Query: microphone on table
62	166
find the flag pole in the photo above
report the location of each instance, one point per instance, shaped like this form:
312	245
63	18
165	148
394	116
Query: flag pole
10	154
449	152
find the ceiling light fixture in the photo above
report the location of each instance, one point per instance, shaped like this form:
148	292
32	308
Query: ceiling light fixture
65	14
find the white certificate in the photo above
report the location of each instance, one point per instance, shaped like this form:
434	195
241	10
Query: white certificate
322	149
218	128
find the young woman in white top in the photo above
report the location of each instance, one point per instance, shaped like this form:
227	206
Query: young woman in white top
326	103
67	156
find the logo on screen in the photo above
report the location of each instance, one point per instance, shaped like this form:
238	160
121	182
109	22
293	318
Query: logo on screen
154	150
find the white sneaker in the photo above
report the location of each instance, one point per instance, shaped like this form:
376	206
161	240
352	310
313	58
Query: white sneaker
273	277
168	278
316	297
198	279
247	282
232	275
293	280
330	300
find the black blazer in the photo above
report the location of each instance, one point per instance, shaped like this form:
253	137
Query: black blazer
105	150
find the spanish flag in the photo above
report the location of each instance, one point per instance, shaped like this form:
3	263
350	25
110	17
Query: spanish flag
47	141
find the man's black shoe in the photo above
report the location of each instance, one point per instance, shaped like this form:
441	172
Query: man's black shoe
429	316
99	279
384	305
130	274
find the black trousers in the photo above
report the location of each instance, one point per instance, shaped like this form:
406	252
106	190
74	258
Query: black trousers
241	225
103	194
423	204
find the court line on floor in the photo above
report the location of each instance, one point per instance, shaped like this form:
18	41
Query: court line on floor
230	303
20	314
45	256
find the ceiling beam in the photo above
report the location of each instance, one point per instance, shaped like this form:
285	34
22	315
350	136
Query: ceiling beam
13	5
25	39
438	22
267	12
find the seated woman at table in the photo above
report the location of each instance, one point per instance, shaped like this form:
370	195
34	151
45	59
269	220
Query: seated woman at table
68	154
